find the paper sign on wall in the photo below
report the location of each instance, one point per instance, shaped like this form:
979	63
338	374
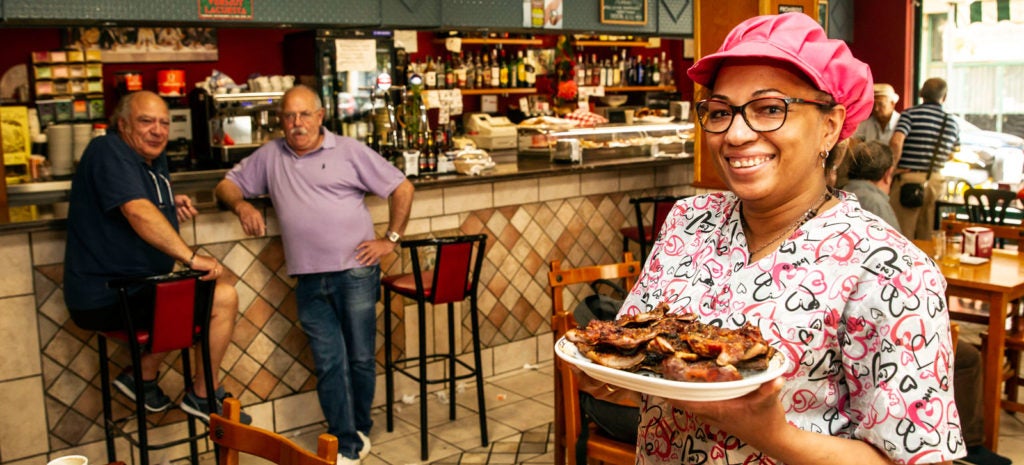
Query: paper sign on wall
355	54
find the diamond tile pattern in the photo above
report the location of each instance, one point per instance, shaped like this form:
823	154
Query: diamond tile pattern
269	357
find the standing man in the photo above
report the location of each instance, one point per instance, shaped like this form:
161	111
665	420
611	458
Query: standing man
317	181
123	222
913	145
882	123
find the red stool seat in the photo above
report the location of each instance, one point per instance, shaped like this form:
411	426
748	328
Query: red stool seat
181	318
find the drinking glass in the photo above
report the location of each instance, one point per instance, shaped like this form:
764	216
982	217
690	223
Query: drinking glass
954	245
938	245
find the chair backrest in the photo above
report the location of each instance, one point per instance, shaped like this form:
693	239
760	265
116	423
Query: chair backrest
568	424
234	437
662	205
182	304
457	263
988	205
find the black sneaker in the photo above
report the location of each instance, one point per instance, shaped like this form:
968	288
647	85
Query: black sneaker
197	407
153	397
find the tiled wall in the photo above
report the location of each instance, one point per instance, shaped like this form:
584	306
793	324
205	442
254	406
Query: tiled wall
48	376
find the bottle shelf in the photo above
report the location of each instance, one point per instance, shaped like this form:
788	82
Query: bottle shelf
640	89
494	41
500	91
612	43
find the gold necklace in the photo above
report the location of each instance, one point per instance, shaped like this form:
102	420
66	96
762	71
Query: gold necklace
810	213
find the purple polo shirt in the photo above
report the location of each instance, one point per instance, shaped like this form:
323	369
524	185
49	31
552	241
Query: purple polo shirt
318	198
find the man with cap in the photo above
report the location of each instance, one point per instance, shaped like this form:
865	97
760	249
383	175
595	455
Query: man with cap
855	311
884	116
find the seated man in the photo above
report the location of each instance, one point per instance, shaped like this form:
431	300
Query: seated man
123	222
870	175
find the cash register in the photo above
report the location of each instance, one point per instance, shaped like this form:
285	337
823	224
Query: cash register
491	132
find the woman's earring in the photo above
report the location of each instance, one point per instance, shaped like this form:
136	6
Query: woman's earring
824	156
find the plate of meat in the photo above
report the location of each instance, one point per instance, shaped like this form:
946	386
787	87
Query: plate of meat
673	356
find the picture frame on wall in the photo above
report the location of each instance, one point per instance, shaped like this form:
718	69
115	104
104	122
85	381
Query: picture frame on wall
145	44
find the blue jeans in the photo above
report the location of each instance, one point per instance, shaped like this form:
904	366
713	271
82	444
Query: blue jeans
338	314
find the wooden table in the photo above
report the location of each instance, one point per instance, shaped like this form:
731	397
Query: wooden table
998	282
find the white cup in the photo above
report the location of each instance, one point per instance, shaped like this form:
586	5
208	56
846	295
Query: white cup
69	460
262	84
276	83
288	80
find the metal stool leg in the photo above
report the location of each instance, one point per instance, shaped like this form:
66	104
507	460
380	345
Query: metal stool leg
389	375
451	360
423	378
105	390
481	403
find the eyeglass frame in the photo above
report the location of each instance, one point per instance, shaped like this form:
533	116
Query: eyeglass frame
295	117
742	110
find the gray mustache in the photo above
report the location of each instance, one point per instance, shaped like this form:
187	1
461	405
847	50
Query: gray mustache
298	131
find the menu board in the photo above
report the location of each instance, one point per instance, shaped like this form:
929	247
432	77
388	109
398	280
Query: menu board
624	12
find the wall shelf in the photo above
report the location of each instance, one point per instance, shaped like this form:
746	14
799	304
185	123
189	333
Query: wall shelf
613	43
640	89
499	91
494	41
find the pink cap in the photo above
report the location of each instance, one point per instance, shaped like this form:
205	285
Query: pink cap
797	39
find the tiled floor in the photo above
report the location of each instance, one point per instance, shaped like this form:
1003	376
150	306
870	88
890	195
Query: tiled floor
519	421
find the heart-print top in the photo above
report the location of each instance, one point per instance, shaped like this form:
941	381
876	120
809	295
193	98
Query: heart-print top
858	309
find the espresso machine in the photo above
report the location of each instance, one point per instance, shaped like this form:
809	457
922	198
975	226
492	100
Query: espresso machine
227	127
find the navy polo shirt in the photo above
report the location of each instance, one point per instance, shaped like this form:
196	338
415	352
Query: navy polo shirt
101	244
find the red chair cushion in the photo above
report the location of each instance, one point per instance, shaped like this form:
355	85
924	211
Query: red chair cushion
405	284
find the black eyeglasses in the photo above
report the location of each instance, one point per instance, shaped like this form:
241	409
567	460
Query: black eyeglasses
765	114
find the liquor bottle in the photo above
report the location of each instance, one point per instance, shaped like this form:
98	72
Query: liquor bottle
581	71
430	75
449	73
655	73
520	69
531	71
470	72
616	71
503	78
495	69
513	73
641	74
670	74
481	70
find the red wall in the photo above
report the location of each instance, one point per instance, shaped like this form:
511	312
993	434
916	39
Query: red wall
883	37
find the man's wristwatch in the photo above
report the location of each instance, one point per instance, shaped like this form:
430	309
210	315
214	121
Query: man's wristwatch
393	236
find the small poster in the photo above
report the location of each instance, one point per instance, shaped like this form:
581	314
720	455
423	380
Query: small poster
17	145
355	54
145	44
225	9
544	14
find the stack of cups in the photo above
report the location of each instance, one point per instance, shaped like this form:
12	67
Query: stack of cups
81	134
59	145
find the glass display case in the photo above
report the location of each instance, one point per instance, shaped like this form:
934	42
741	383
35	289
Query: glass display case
579	145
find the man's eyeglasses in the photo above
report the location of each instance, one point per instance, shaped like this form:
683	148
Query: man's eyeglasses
301	116
761	114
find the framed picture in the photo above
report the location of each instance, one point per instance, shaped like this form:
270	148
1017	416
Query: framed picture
823	15
632	12
790	9
145	44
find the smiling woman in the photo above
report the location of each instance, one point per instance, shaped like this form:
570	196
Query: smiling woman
830	286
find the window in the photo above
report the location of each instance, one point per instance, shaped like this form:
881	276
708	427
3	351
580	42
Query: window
937	26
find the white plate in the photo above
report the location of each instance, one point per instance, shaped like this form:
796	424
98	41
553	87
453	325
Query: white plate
656	385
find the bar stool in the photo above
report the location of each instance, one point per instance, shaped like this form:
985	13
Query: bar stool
181	317
455	276
645	233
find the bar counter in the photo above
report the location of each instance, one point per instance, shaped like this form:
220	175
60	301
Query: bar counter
200	184
532	211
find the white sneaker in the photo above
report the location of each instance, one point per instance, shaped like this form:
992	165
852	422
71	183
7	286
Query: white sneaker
366	446
342	460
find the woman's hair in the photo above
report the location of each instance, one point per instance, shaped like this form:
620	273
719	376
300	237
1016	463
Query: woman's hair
870	161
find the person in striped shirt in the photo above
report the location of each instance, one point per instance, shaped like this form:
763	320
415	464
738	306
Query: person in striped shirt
913	144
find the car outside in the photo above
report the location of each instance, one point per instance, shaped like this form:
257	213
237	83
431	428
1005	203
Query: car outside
988	155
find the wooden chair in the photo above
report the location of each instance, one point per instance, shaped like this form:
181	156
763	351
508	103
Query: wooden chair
568	424
646	232
233	437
